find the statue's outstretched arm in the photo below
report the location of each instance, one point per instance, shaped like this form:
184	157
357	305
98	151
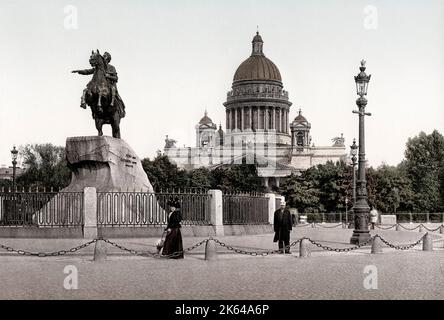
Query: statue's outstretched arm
84	72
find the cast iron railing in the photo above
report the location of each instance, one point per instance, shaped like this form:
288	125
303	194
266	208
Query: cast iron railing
247	208
41	209
126	209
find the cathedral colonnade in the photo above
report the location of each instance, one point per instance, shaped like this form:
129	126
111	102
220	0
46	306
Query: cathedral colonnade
257	117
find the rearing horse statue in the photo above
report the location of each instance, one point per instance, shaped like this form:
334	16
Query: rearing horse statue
107	107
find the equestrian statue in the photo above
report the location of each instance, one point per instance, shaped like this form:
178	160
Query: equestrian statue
101	93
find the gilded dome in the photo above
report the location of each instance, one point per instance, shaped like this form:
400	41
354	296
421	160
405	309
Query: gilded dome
257	66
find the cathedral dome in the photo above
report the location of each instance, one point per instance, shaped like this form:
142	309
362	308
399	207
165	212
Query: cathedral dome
257	66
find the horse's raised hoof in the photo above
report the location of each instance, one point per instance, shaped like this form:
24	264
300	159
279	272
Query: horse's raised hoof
99	109
83	105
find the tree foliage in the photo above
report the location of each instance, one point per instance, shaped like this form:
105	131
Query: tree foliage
322	188
45	165
415	185
163	174
424	160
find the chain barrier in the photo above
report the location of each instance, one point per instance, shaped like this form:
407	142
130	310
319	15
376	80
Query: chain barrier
327	248
402	246
47	254
255	253
431	230
155	254
220	243
328	227
410	229
386	228
302	225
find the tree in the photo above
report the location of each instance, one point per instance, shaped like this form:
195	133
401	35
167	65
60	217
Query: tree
424	159
239	177
392	189
46	166
319	189
301	194
163	174
333	182
199	178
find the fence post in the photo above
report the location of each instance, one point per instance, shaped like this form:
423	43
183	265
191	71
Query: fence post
427	243
304	248
428	217
1	205
90	213
100	251
376	245
210	250
271	207
216	211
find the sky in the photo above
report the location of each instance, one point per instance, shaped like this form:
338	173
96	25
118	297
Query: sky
177	58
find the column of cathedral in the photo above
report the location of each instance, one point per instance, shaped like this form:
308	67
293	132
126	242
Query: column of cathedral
227	119
244	118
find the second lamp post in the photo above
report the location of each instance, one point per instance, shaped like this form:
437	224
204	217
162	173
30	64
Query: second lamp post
353	153
14	153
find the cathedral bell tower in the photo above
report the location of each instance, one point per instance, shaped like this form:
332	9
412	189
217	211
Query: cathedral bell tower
206	136
300	133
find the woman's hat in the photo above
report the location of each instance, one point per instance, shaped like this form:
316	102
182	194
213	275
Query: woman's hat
174	203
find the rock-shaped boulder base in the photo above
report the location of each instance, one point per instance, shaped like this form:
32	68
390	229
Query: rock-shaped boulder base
106	163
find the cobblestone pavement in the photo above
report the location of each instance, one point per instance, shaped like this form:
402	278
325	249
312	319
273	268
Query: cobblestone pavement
401	275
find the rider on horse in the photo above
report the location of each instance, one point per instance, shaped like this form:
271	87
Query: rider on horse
101	93
111	76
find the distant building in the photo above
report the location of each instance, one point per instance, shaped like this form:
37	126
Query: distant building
6	172
258	129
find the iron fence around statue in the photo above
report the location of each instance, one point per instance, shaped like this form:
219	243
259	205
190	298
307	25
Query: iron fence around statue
247	208
133	209
41	209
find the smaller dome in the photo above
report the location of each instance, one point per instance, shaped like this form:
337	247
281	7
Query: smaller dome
300	117
205	119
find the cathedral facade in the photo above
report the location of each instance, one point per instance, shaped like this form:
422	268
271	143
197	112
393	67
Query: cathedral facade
258	129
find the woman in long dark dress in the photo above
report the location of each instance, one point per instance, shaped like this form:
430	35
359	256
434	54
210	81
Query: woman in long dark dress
173	239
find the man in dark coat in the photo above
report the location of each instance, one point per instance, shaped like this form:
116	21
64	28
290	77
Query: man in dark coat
282	228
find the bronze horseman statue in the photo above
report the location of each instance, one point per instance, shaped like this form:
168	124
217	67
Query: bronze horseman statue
101	93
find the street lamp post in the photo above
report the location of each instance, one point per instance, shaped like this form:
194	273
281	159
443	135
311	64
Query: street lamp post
353	153
14	153
361	209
